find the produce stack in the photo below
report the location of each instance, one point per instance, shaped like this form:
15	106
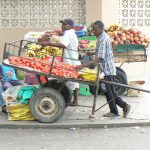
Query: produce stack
87	44
120	35
57	68
34	50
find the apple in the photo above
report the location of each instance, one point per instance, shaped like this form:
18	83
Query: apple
123	34
136	39
142	39
123	38
118	39
132	42
121	42
138	42
127	42
128	37
115	33
131	35
115	43
119	34
132	39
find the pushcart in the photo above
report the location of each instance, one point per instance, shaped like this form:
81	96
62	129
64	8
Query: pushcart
125	53
47	105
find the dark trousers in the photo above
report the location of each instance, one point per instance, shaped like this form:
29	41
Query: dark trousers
110	94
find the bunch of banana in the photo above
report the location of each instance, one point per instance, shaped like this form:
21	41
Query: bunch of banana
52	50
34	47
55	39
30	53
42	54
88	74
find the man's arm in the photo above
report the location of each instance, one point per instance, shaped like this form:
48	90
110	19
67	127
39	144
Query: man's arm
47	43
99	56
95	61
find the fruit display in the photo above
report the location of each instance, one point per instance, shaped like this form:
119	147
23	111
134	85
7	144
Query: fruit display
50	33
55	39
88	74
119	35
34	50
59	68
85	44
113	28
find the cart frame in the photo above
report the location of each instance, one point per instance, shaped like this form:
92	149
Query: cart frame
64	80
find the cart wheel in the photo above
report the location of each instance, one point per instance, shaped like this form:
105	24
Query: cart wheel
120	78
92	90
118	68
47	105
66	91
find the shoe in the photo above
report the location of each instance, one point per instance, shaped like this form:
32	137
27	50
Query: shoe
110	115
126	110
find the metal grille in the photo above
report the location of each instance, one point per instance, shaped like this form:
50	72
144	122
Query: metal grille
40	13
134	13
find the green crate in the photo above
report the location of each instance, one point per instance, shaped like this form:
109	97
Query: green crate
129	47
84	90
91	38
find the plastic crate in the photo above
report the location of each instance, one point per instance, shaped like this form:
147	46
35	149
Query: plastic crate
91	38
129	47
84	90
80	33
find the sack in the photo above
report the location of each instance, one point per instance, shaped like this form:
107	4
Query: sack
18	111
25	94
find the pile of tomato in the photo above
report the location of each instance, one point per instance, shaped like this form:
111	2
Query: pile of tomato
58	68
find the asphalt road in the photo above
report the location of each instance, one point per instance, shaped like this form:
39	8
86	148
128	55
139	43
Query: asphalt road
75	139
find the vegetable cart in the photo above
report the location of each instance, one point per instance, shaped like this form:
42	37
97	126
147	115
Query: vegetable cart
49	102
125	53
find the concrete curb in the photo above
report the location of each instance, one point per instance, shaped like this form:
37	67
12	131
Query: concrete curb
71	126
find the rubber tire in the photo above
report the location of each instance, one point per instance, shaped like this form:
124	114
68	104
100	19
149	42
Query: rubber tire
121	78
49	92
118	68
92	90
66	91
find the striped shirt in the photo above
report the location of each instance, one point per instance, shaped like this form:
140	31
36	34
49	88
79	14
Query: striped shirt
105	52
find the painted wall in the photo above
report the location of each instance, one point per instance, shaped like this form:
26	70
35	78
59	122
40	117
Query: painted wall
93	10
106	10
110	15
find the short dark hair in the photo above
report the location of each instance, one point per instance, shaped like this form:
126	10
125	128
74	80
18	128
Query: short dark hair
99	24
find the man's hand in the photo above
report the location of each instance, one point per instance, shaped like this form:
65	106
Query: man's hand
45	43
79	67
43	39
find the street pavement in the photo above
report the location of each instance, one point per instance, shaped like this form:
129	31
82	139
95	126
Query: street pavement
135	138
78	117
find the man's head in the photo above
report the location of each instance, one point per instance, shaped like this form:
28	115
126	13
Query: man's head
98	28
67	24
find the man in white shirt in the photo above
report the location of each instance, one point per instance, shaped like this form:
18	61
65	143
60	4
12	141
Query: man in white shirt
69	42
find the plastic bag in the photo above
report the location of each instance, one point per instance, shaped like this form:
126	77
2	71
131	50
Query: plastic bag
10	94
25	93
18	111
